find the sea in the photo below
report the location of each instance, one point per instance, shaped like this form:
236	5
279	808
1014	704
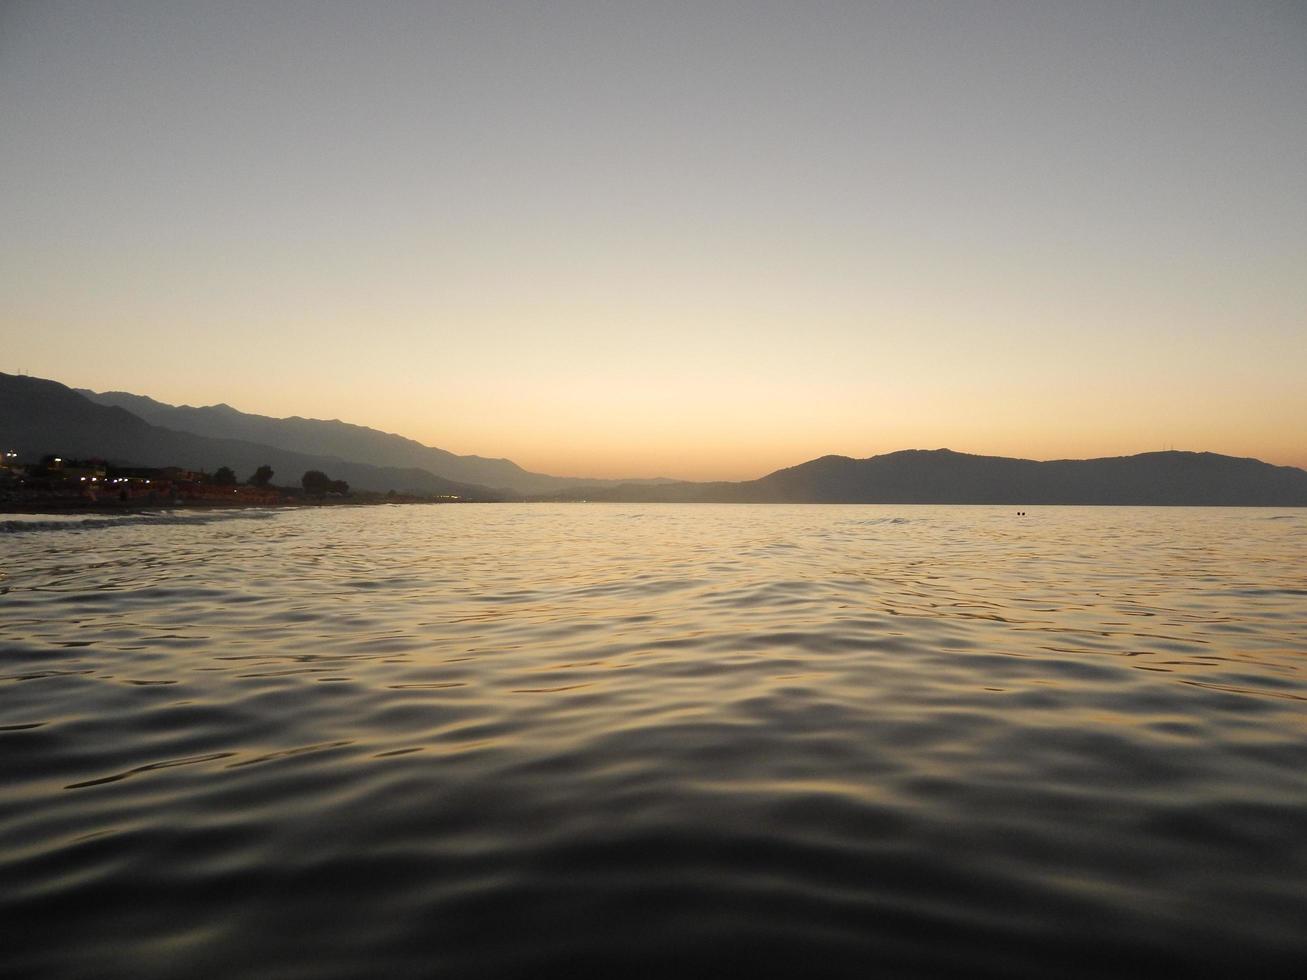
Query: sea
602	740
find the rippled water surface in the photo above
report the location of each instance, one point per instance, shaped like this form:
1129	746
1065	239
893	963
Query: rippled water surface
654	740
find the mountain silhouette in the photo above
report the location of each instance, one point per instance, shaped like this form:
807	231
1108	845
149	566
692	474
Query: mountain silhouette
942	476
39	417
339	439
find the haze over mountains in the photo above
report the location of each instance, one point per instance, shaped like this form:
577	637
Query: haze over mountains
340	440
39	416
941	476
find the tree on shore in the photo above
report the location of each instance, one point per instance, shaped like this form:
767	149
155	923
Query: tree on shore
262	476
316	483
224	477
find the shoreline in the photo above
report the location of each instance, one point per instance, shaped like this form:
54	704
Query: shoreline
55	507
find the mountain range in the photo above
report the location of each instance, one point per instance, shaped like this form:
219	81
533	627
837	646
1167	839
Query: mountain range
337	440
941	476
38	416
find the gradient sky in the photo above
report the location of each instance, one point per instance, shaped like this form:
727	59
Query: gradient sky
695	240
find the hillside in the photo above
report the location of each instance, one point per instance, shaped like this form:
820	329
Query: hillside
39	417
343	440
945	477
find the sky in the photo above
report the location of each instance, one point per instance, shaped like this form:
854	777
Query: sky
698	240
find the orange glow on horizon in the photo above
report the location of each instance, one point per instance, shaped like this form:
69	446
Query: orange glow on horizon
706	259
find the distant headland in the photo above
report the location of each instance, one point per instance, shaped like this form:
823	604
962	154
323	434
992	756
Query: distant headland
220	447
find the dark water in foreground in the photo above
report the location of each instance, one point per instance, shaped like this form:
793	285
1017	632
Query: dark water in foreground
655	740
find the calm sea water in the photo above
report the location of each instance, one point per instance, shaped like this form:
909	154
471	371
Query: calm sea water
654	741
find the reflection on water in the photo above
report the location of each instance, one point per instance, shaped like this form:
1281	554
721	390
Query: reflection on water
654	740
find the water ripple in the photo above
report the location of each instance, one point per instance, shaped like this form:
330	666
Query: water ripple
654	741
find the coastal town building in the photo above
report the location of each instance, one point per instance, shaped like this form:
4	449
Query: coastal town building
61	482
